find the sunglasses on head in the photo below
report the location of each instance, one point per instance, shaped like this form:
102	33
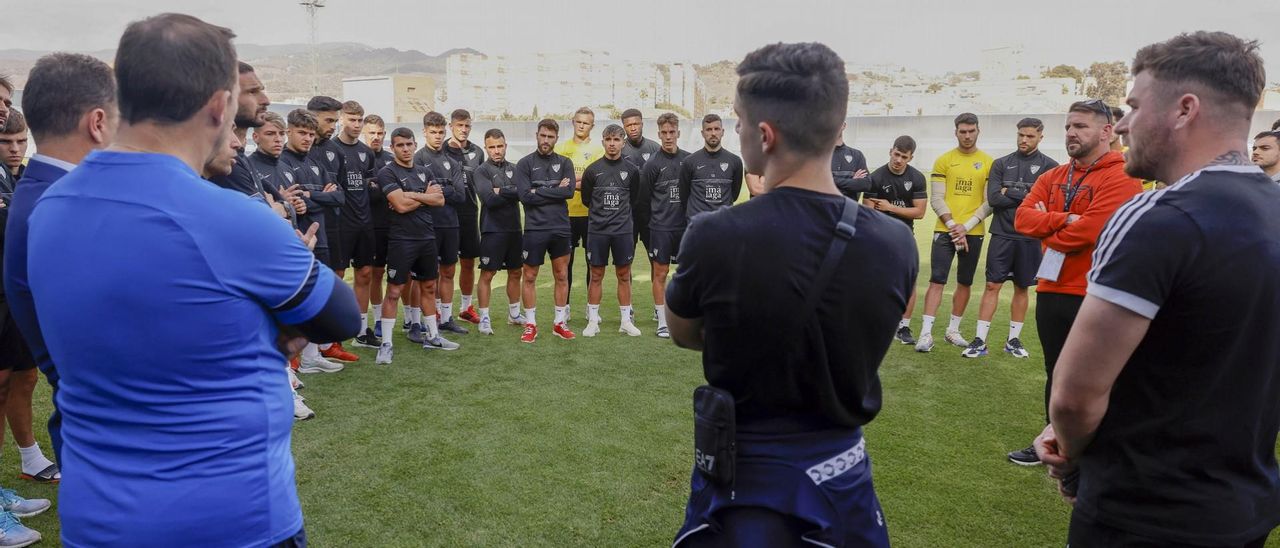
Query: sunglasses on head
1098	106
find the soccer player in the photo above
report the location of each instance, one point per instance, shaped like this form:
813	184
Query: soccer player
13	150
1066	209
329	155
500	242
660	194
1166	400
1011	256
897	189
264	163
469	156
582	150
849	167
235	276
801	398
710	178
959	197
610	187
411	249
6	98
448	171
544	180
374	134
1266	153
638	150
358	240
251	112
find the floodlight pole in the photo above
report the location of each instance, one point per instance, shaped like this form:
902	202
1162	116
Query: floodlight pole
312	7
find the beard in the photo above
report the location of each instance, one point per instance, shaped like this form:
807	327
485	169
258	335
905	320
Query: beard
1143	161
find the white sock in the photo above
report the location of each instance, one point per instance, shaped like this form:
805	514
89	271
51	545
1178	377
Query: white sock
446	312
531	316
484	313
33	461
626	313
413	315
593	312
311	352
433	330
364	320
1015	330
438	303
984	328
926	328
561	311
466	302
955	324
326	346
388	325
513	310
906	322
662	314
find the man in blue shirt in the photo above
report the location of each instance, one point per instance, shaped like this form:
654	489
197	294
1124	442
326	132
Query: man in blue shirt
204	405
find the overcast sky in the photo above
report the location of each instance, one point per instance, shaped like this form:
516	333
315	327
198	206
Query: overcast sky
929	35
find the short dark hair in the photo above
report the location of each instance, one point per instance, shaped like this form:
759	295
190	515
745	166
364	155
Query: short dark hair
967	118
711	118
614	130
801	89
550	124
1275	126
1216	60
1265	134
169	65
403	133
905	144
304	119
323	103
496	133
61	88
1033	123
631	113
434	119
1093	106
374	119
245	68
16	123
353	107
1117	113
668	118
459	114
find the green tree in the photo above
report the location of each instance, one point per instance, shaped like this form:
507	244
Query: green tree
1111	80
935	87
1064	71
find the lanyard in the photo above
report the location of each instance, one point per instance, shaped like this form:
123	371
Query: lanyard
1073	187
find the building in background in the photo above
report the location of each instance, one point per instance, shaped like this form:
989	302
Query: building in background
398	98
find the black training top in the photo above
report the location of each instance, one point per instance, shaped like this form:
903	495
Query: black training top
1015	173
415	225
378	206
546	203
468	159
241	179
609	190
660	191
899	190
310	176
329	156
641	153
360	171
710	180
448	173
500	212
845	162
747	270
1186	452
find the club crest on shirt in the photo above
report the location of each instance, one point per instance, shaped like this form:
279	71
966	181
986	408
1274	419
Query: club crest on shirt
289	176
556	168
906	185
586	155
646	156
329	155
624	175
391	272
471	155
724	166
510	174
447	165
977	165
363	156
315	169
848	158
422	177
1035	169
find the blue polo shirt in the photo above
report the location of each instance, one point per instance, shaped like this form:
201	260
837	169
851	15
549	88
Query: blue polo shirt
159	296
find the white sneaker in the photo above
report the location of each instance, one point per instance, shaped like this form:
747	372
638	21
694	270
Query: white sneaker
294	381
954	337
318	365
439	343
629	328
593	329
663	332
518	319
300	410
384	354
925	343
486	328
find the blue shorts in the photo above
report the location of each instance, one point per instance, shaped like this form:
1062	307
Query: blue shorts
820	480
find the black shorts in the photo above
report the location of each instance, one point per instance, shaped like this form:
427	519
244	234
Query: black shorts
447	243
944	251
601	246
578	231
537	244
322	255
14	353
500	251
380	247
469	238
1013	259
664	245
355	249
334	238
416	258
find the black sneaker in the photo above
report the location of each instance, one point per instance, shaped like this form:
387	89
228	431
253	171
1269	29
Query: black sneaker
452	327
904	335
368	339
1024	457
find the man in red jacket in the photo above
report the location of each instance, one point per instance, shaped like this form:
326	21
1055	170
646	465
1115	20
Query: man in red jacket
1067	208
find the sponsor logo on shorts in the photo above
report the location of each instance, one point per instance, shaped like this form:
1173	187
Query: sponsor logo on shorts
484	261
524	254
391	272
838	464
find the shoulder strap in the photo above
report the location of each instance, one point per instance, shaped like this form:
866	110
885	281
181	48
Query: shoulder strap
845	230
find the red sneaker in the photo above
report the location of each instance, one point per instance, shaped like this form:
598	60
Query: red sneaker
561	330
336	352
530	333
470	315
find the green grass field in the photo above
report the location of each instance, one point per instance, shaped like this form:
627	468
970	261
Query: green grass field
587	442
